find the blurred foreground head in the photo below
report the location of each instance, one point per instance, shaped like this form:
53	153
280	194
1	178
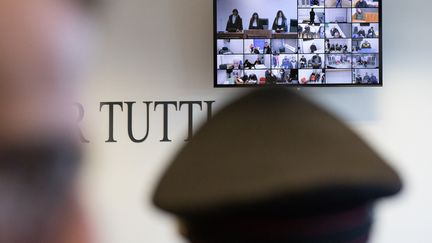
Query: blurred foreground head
42	48
273	167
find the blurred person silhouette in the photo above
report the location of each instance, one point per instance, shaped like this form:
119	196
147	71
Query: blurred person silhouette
42	48
299	183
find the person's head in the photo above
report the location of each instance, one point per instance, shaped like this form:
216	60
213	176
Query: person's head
280	14
224	197
359	10
43	45
235	12
255	16
312	10
266	44
43	40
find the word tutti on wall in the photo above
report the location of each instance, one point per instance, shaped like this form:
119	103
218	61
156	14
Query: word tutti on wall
115	108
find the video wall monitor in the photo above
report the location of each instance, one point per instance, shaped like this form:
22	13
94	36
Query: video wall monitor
297	43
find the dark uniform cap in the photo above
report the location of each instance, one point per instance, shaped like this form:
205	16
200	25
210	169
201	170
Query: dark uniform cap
273	148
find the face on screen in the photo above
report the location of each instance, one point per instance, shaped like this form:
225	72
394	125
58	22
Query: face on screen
297	42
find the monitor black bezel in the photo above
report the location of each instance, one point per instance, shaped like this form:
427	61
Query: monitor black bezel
380	55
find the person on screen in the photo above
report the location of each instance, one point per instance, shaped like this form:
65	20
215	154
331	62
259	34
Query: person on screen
316	61
312	16
249	65
335	33
314	3
303	62
235	22
338	3
270	77
284	76
321	32
371	33
366	78
258	61
253	79
280	23
361	4
286	63
359	79
255	23
373	79
355	33
313	48
267	48
359	15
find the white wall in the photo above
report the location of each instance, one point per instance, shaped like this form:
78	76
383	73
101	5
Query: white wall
338	15
338	76
172	59
265	9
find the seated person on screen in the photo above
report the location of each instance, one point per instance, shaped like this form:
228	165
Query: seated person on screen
235	22
303	62
283	76
359	15
359	79
366	45
366	78
313	77
270	77
258	61
253	79
355	33
255	23
313	48
316	62
286	63
373	79
253	49
280	22
267	48
335	33
359	33
361	4
249	65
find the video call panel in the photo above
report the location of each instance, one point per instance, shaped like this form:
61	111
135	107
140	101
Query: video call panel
297	42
